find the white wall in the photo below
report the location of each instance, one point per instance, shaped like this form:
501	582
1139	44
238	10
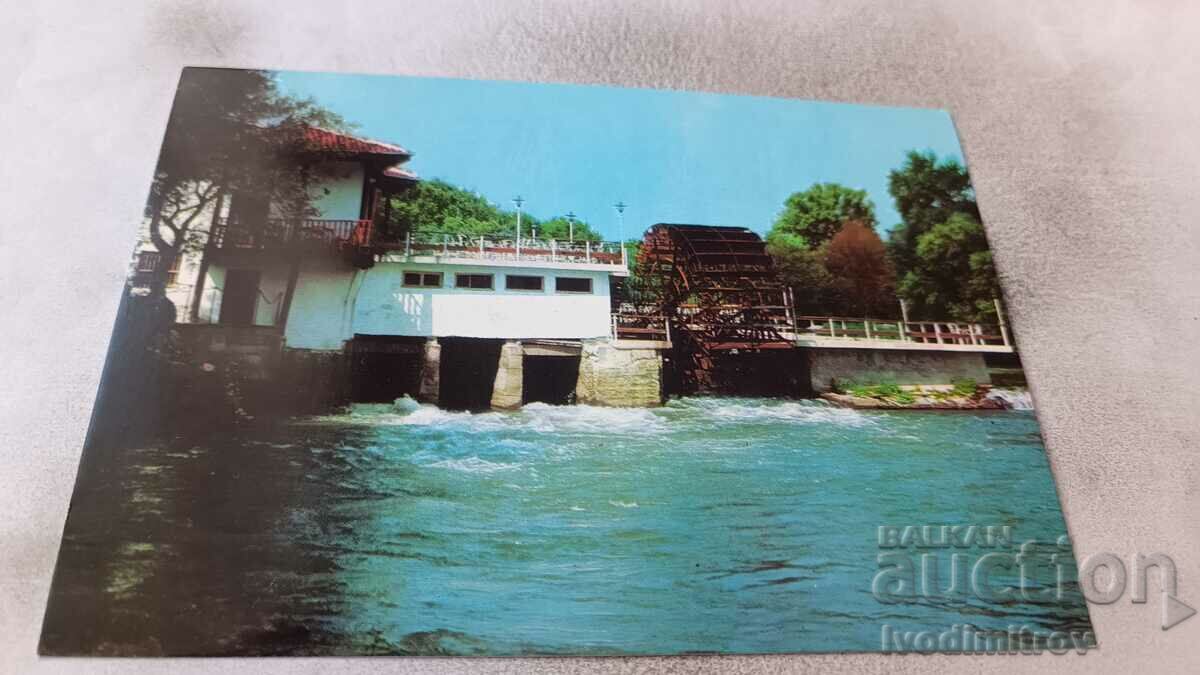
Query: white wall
331	305
340	196
386	307
271	287
320	314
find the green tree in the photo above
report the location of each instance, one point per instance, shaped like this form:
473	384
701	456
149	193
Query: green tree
560	228
815	290
812	217
436	206
800	238
952	273
927	192
940	250
229	132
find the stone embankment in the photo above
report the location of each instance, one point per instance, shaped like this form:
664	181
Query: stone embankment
923	398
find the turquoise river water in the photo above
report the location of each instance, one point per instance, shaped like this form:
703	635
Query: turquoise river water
707	525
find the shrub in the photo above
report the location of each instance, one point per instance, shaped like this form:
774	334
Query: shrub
965	386
886	389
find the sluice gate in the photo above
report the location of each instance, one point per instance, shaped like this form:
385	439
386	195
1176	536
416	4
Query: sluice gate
720	302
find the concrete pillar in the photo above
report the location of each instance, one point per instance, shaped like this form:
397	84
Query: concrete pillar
507	392
609	376
431	372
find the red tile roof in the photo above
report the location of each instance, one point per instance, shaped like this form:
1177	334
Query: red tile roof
317	139
399	172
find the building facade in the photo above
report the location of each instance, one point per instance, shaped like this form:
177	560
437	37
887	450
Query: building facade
332	292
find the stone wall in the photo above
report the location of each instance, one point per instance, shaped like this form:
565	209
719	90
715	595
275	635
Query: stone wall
313	381
873	366
609	376
222	375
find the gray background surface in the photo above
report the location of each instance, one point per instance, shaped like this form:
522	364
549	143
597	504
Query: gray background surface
1081	126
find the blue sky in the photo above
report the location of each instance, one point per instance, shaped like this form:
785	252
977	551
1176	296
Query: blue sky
672	156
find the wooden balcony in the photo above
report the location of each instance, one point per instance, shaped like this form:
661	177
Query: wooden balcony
277	234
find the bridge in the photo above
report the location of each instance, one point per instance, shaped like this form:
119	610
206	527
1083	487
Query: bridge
713	297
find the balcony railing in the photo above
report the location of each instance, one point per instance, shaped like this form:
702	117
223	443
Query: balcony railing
447	245
281	232
278	232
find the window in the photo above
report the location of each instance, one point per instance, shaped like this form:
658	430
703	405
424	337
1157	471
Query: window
520	282
480	281
423	279
573	285
147	261
173	271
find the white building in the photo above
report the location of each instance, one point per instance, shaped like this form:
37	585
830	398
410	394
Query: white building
332	285
480	289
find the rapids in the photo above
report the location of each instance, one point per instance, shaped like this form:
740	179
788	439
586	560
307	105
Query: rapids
709	524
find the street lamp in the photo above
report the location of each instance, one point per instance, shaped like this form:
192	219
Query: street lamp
620	207
518	200
571	225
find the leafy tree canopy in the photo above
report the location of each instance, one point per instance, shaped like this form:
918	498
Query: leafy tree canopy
953	273
438	206
812	217
927	192
800	241
814	289
229	132
859	262
940	251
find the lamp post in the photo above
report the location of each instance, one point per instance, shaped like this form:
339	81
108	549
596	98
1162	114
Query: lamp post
620	207
518	200
571	225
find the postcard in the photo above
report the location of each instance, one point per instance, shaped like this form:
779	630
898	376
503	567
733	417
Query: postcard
410	366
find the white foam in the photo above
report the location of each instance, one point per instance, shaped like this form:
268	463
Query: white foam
1016	399
585	420
774	410
473	465
405	405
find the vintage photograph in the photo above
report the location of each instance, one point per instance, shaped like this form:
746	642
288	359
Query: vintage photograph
414	366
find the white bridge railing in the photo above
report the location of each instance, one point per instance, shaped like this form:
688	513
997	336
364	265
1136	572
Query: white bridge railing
495	248
633	325
919	332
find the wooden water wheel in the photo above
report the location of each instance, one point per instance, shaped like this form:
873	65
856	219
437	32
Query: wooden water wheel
719	291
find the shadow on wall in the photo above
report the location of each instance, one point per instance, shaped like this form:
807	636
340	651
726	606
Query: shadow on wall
385	307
